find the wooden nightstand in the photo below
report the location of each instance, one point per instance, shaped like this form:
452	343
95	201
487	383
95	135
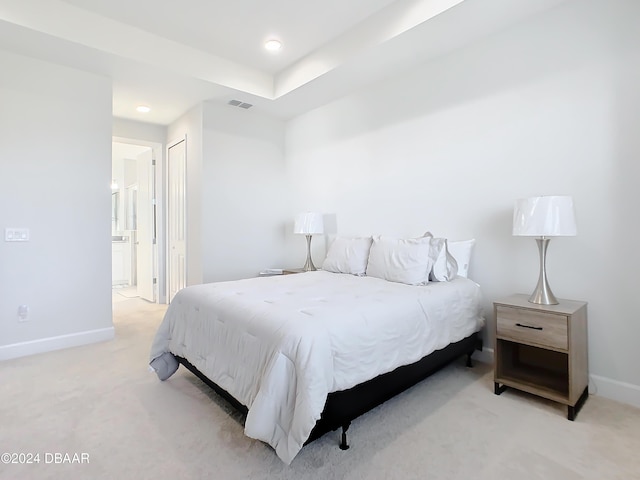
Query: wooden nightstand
542	349
270	272
291	271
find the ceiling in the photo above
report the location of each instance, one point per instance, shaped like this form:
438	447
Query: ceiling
174	55
121	150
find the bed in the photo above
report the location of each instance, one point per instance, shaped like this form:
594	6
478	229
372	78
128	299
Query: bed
307	353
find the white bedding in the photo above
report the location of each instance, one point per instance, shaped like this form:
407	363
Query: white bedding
280	344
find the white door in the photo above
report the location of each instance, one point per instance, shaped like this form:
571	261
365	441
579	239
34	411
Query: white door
176	221
146	227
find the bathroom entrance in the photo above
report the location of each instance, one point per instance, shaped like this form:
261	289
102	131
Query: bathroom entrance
133	221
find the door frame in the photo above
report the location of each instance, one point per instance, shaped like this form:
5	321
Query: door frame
159	267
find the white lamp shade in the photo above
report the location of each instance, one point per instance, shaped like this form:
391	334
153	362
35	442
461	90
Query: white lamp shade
308	224
550	216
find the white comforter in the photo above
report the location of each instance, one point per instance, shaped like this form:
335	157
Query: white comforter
280	344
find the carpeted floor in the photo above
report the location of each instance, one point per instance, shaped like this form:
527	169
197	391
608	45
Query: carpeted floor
100	403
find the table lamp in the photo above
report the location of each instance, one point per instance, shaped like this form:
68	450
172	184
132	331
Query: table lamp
309	224
544	217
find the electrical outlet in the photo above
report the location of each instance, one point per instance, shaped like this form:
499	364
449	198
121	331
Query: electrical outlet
23	313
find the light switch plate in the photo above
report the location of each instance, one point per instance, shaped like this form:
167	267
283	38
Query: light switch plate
16	234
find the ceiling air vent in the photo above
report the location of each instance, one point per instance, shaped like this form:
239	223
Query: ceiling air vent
238	103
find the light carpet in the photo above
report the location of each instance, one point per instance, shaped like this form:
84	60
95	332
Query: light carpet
100	400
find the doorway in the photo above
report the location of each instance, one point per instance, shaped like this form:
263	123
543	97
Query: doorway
134	220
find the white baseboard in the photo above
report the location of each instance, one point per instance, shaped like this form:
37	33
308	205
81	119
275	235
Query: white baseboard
603	386
50	344
615	390
485	355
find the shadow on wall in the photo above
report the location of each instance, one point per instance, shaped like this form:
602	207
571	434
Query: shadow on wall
551	43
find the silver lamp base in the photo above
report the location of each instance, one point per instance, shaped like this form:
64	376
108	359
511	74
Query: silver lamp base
309	266
543	295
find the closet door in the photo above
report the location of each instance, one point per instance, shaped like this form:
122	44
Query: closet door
176	218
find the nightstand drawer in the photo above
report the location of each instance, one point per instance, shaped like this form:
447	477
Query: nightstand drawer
532	327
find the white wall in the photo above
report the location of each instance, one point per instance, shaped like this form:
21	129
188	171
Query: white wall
244	193
146	132
55	157
237	192
546	107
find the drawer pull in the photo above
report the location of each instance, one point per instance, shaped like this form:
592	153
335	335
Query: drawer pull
528	326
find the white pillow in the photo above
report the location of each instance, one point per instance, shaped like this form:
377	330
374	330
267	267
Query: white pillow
445	266
400	260
461	251
348	255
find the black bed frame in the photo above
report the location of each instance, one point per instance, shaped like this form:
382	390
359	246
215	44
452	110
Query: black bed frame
344	406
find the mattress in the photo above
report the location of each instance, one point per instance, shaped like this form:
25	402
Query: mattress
281	344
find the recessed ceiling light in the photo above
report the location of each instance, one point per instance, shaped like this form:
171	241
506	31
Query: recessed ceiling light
143	109
273	45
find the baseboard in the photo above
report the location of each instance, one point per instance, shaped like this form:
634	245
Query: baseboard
485	355
603	386
50	344
615	390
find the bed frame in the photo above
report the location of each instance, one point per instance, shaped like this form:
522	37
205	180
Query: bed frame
345	406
